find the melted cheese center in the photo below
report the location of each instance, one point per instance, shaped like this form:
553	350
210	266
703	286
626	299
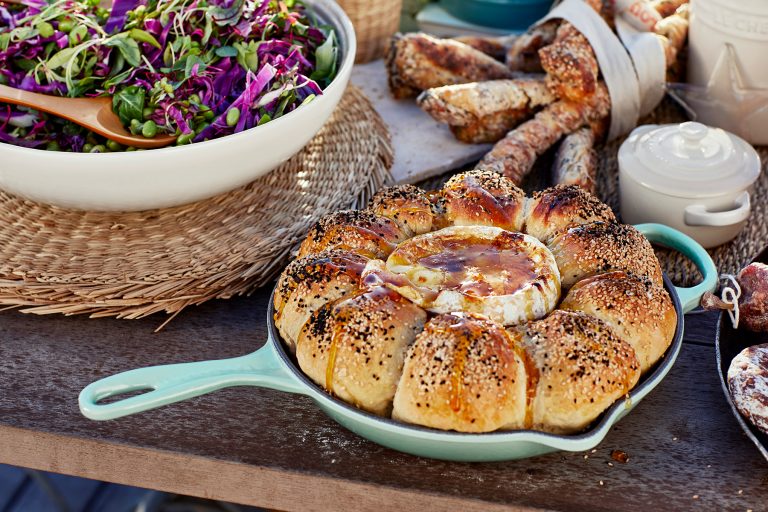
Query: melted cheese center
483	269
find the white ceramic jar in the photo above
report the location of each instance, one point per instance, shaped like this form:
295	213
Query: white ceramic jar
691	177
728	43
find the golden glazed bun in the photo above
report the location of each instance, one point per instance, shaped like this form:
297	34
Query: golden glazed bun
462	373
598	247
309	283
508	277
358	231
405	205
638	311
558	208
579	367
481	198
354	348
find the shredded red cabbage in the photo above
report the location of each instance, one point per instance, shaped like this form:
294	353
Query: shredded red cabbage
199	69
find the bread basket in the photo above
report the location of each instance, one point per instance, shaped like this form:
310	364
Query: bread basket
272	367
374	23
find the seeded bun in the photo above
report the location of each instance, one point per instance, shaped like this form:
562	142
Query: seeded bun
597	247
578	368
358	231
309	283
354	348
638	311
462	373
481	198
405	205
558	208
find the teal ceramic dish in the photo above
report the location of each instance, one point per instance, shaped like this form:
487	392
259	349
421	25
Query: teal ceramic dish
515	15
273	367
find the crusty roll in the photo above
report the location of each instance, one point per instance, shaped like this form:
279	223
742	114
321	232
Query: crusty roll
405	205
311	282
523	52
577	368
480	198
418	61
485	111
638	311
358	231
462	373
598	247
354	348
558	208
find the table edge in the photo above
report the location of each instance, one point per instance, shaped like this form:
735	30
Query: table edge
201	476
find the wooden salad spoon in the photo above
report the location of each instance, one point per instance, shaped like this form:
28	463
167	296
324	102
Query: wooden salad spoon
92	113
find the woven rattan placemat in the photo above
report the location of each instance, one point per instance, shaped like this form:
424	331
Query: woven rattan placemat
131	265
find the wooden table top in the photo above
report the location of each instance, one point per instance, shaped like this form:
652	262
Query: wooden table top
276	450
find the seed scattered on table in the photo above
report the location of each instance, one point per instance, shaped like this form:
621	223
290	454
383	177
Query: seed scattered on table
695	496
601	482
620	456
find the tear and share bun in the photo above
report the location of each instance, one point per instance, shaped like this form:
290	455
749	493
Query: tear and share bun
462	373
558	208
579	367
358	231
400	309
638	311
354	348
598	247
481	198
309	283
405	205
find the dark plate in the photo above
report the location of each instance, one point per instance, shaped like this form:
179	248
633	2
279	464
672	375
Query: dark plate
728	343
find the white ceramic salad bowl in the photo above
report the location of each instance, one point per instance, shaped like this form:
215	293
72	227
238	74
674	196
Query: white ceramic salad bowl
158	178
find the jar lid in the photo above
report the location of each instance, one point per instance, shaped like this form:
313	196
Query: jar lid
689	160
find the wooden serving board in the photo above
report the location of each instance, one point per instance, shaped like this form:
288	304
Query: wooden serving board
423	147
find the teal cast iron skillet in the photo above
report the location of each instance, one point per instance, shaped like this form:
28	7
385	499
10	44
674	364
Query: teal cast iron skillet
273	367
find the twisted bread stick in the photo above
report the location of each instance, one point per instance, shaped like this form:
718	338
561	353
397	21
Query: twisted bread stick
515	154
576	160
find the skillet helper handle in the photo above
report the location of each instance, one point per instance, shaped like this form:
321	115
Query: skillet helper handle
674	239
167	384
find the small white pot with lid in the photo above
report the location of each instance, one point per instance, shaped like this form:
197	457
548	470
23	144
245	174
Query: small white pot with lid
689	176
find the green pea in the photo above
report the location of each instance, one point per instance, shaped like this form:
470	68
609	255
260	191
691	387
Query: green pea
135	126
147	112
66	25
98	148
130	148
208	114
149	129
200	127
114	146
185	138
194	99
87	147
233	116
53	146
45	29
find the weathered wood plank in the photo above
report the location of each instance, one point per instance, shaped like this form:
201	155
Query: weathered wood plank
276	450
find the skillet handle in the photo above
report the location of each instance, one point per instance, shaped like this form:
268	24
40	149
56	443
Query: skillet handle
171	383
674	239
